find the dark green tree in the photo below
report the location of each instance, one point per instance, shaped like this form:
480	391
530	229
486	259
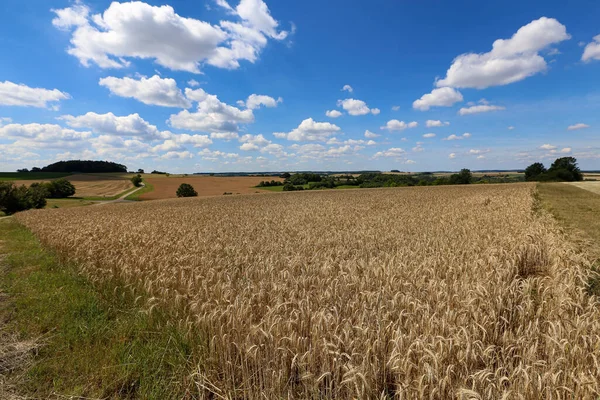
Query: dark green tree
566	169
534	171
19	198
464	177
60	189
137	180
186	190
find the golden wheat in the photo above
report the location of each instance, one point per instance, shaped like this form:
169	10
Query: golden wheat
436	292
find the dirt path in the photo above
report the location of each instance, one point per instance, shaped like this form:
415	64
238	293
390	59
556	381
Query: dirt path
122	198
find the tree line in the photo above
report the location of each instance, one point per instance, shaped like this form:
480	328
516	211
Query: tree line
563	169
15	198
83	166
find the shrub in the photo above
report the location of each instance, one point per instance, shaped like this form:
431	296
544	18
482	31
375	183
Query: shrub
137	180
186	190
60	189
289	187
20	198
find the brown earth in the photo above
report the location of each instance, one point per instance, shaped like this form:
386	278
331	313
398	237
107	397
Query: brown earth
165	188
93	185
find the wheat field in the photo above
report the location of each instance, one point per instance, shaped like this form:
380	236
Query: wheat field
435	292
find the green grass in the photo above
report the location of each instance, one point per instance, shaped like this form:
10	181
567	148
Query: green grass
579	211
31	176
146	189
67	203
96	342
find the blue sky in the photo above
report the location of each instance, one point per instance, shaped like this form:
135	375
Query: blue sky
257	85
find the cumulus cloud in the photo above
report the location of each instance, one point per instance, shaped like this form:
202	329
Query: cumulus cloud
178	43
42	133
592	50
224	135
155	91
110	124
566	150
547	147
395	108
356	107
511	128
430	123
394	152
370	135
478	151
457	137
253	142
452	155
510	60
429	135
395	125
12	94
442	97
214	155
193	83
212	115
254	101
577	127
479	109
333	113
310	131
177	155
347	88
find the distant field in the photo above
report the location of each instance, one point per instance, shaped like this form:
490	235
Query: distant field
593	187
31	176
166	187
454	292
90	185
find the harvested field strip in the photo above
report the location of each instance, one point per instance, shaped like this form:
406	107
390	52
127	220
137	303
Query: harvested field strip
435	292
87	185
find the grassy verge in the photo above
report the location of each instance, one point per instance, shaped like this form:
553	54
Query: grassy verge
95	344
146	189
579	211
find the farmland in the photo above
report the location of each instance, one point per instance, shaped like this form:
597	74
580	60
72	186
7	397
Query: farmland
436	292
86	185
206	186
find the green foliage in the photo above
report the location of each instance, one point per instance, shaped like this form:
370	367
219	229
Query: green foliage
20	198
186	190
137	180
140	171
270	183
60	189
464	177
158	172
563	169
84	166
534	171
290	187
285	175
304	178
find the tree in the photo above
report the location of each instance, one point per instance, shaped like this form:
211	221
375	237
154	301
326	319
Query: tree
137	180
23	170
285	175
534	171
186	190
464	177
566	169
60	189
140	171
19	198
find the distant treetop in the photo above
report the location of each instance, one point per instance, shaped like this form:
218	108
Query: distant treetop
84	166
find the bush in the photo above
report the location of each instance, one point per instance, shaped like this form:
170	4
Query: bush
186	190
534	171
289	187
464	177
20	198
60	189
137	180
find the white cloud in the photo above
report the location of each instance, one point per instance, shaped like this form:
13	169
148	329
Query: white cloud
253	142
153	91
249	147
510	128
140	30
435	123
211	155
478	151
510	60
174	155
224	135
418	149
193	83
566	150
333	113
254	101
479	109
592	50
395	108
347	88
110	124
370	135
452	155
394	152
577	127
212	115
547	147
42	133
356	107
456	137
442	97
310	130
194	140
480	157
12	94
429	135
395	125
